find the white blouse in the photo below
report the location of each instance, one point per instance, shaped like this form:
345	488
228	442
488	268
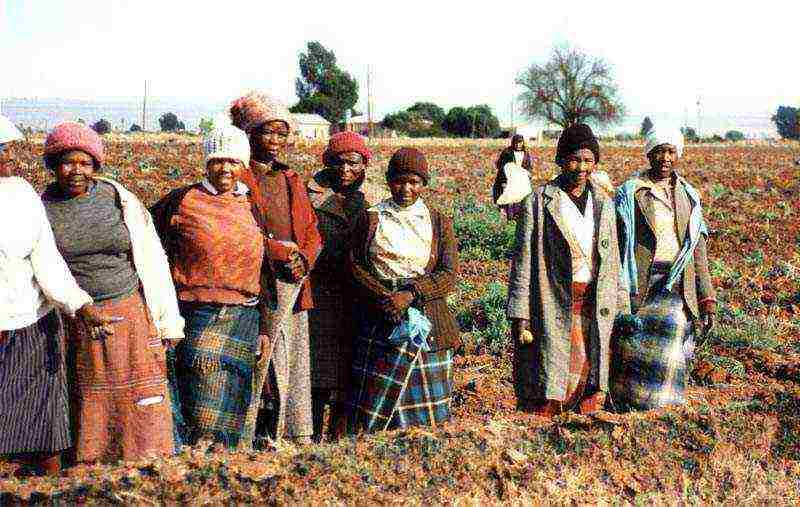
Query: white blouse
402	244
33	275
582	230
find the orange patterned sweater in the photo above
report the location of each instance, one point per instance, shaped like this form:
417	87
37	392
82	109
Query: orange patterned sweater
221	248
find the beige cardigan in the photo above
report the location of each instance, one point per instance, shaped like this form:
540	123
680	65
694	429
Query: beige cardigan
151	264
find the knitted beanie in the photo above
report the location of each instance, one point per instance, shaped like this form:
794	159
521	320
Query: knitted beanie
408	161
69	136
577	137
343	142
226	141
255	109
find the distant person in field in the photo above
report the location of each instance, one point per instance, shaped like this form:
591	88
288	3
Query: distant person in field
517	154
35	284
663	239
404	264
564	286
122	403
339	193
293	243
215	248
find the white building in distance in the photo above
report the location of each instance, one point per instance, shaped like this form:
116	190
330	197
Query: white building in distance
312	126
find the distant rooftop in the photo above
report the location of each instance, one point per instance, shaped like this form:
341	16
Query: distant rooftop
310	119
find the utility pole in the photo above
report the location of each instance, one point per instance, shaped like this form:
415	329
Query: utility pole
144	108
512	115
699	118
369	101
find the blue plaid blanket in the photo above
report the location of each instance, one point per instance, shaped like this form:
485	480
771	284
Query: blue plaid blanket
650	351
214	370
398	385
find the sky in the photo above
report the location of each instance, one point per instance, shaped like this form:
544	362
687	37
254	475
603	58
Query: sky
665	56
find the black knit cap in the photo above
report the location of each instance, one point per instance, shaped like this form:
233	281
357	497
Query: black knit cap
577	137
408	161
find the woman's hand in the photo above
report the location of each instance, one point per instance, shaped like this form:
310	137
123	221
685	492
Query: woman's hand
519	331
264	350
297	267
395	306
100	324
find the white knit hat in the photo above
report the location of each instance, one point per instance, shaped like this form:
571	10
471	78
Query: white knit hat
8	131
226	141
657	136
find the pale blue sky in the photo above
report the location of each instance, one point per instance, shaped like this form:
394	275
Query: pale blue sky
665	55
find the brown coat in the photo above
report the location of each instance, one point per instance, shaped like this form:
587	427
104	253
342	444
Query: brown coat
431	289
540	291
698	293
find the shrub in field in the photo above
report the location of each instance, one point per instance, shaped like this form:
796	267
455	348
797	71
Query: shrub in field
206	125
787	120
169	122
102	127
485	321
734	135
690	134
135	128
483	232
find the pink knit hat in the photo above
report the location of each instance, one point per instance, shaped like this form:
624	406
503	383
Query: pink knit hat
255	109
343	142
69	136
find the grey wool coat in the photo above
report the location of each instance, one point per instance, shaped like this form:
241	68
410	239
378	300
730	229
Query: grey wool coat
540	290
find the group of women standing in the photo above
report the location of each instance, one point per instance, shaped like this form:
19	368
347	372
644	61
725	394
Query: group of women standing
608	292
226	312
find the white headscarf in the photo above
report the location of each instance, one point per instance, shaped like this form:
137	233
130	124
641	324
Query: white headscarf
657	136
8	131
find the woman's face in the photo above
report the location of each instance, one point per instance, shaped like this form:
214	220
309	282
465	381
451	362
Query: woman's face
74	173
269	140
663	160
7	168
518	144
578	165
223	173
406	189
349	167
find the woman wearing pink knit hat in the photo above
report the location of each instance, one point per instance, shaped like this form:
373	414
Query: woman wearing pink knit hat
292	246
338	193
122	404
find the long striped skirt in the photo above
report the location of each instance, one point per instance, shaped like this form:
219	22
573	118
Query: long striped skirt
650	350
122	407
33	389
398	386
214	367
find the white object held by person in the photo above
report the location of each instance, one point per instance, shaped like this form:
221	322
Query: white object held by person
517	187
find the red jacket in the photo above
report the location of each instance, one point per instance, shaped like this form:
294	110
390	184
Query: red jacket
304	226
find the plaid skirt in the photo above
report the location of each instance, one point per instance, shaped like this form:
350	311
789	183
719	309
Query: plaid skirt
33	388
650	350
214	370
398	387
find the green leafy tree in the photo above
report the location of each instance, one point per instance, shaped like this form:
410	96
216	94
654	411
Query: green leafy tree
206	125
428	111
734	135
571	87
475	121
102	127
647	124
323	88
787	120
690	134
169	122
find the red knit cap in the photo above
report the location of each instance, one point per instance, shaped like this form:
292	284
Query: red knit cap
408	160
69	136
344	142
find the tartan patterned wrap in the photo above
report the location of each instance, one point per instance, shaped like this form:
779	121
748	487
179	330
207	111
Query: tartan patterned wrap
398	386
215	364
650	349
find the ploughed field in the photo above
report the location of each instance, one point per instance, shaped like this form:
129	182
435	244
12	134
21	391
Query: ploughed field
738	439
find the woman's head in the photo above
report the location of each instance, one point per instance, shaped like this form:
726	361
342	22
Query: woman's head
663	147
267	121
348	156
517	142
577	153
407	176
226	151
74	153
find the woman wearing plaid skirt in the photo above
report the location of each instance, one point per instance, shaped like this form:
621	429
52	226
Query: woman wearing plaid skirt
404	263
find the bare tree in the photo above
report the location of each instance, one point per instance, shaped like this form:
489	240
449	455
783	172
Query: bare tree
572	87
